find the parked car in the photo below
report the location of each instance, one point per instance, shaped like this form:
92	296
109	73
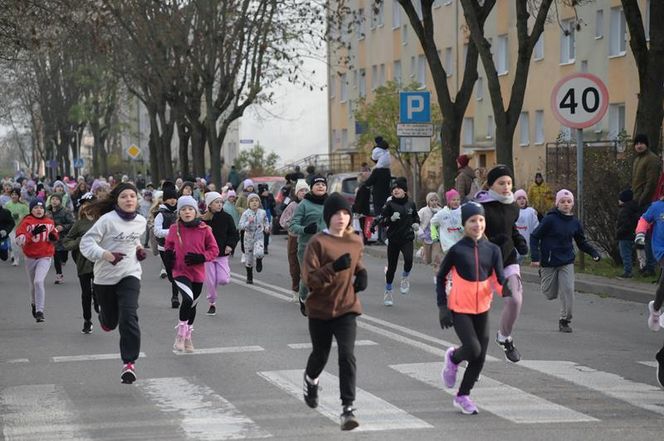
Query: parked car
274	184
343	183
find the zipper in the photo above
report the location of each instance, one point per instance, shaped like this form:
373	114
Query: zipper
477	278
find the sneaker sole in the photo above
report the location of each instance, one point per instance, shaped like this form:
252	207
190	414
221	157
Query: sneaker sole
127	377
350	425
210	313
464	411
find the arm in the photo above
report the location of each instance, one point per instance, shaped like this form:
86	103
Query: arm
73	238
519	241
68	223
445	268
583	244
536	240
158	228
232	235
171	237
296	226
315	275
244	220
89	243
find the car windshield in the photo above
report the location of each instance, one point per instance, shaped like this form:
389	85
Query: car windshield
349	185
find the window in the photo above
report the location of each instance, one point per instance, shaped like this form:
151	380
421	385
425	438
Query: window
396	71
449	64
599	23
331	85
616	119
539	127
479	89
502	62
381	75
404	34
363	83
468	131
344	139
343	86
490	127
360	25
396	14
524	129
617	33
413	66
567	42
377	15
355	79
421	70
374	77
538	50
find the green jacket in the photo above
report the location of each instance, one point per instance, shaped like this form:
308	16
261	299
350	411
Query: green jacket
645	174
310	210
72	241
19	210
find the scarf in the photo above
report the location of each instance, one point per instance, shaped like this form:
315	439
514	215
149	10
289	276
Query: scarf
193	223
502	199
125	215
318	200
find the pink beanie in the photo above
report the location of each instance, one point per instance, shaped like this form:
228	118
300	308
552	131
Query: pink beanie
519	193
451	194
564	194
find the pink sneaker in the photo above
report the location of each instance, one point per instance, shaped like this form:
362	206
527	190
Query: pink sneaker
654	317
465	405
449	372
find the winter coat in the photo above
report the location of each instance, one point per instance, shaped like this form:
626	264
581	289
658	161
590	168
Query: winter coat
162	223
19	210
628	217
254	224
540	197
379	181
36	247
654	215
6	222
551	242
224	231
310	210
362	204
197	239
501	227
463	182
62	217
229	208
426	214
72	241
450	229
269	205
645	173
527	222
399	215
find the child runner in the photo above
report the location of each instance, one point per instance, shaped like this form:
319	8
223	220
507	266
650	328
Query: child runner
229	207
301	189
6	226
63	220
254	224
268	204
475	263
114	245
190	243
333	271
162	222
446	225
431	247
527	221
501	214
400	216
83	266
217	271
552	250
37	234
243	200
628	217
19	210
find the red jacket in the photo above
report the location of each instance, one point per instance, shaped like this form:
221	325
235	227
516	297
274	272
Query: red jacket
198	240
36	247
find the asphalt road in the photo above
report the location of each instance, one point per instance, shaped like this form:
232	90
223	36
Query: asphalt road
244	381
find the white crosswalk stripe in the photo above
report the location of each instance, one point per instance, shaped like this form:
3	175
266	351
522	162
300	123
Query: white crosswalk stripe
373	413
498	398
334	344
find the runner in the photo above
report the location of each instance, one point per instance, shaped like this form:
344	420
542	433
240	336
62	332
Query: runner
254	224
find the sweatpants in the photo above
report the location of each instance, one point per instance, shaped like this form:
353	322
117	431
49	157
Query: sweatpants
190	292
253	248
169	272
393	250
217	272
344	330
85	280
473	332
119	304
59	259
37	270
512	302
293	263
558	282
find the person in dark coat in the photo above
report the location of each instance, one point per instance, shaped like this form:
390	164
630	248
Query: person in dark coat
380	178
6	226
362	205
628	217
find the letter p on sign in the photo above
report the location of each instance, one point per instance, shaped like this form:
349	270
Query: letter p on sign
415	107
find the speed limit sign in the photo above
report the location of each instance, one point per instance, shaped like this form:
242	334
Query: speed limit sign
579	100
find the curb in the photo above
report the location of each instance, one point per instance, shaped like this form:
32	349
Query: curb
601	288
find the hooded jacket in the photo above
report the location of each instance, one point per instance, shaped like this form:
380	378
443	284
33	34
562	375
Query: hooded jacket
72	241
62	217
197	239
224	231
501	227
400	230
37	246
310	210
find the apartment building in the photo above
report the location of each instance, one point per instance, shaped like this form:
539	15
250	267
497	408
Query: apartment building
384	47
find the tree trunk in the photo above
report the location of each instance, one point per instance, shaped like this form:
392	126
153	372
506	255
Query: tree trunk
450	134
103	155
198	138
155	153
165	142
184	133
214	147
649	112
504	138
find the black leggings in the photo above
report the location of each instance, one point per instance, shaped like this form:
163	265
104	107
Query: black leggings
169	272
190	292
473	331
60	258
87	295
344	330
393	250
659	295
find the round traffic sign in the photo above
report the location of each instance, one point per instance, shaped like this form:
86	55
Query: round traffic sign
579	100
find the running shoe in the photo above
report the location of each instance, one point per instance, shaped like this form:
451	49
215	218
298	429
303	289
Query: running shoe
388	300
563	326
310	393
212	310
39	317
348	420
87	327
59	279
34	310
449	372
654	317
465	405
511	353
163	274
259	265
405	286
128	375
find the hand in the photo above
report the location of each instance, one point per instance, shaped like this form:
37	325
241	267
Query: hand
395	216
535	264
445	317
3	234
113	257
311	228
228	250
342	263
194	259
415	227
596	258
140	254
52	236
361	280
640	240
169	258
20	240
372	229
38	229
59	228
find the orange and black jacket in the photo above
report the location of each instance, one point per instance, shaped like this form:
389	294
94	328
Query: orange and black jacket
475	268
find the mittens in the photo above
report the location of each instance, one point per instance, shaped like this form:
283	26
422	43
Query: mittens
38	229
445	317
361	281
395	216
342	263
311	228
194	259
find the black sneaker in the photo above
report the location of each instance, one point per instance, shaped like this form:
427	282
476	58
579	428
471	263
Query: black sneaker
563	326
310	393
87	327
511	353
34	310
660	367
348	420
259	265
212	310
625	276
39	317
128	375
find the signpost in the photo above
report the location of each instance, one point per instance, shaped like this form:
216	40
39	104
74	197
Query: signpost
415	129
578	101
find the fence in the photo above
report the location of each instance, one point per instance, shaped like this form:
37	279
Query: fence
338	162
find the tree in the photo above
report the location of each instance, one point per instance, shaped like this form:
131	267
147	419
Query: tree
255	161
649	57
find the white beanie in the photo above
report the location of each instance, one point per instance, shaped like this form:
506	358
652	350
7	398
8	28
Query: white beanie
187	201
301	184
253	196
247	183
210	197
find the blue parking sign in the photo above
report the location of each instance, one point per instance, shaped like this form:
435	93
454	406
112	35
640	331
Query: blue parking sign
414	107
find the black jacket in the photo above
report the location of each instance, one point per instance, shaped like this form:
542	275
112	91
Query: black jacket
362	204
501	229
224	231
400	230
6	221
379	180
628	217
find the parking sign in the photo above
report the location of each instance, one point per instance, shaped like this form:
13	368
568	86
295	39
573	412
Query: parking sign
414	107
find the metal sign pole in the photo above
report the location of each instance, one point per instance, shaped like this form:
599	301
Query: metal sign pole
579	184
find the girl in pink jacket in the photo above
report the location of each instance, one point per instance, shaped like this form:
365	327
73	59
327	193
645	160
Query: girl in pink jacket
189	244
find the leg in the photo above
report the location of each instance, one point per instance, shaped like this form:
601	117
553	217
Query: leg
293	263
549	282
321	340
650	257
58	263
190	292
407	251
85	280
392	260
303	291
30	266
223	270
259	250
266	242
477	334
345	331
426	253
108	303
625	247
41	269
512	305
127	291
169	273
566	289
211	282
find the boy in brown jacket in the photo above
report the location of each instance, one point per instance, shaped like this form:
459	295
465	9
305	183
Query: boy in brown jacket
333	271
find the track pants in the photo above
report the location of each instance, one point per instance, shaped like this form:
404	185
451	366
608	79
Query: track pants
393	250
36	270
85	280
190	292
473	332
558	282
59	259
217	272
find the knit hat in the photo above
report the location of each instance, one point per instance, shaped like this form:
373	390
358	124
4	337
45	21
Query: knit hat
87	197
334	203
380	142
318	178
401	183
498	171
56	196
463	160
170	193
641	138
187	201
301	184
36	202
470	209
430	196
210	197
520	193
253	196
247	183
97	184
231	193
564	194
451	194
626	195
262	188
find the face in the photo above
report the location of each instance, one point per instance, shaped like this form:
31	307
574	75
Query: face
254	204
232	199
38	211
212	187
300	194
565	205
128	200
319	188
433	202
640	147
339	220
398	193
249	189
15	197
7	188
521	201
55	202
186	191
59	189
171	202
187	214
502	185
215	206
455	202
539	179
474	226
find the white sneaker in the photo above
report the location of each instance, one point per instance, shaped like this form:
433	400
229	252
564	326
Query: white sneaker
405	286
387	298
14	261
654	317
296	296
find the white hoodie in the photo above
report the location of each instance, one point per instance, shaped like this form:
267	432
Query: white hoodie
527	222
450	229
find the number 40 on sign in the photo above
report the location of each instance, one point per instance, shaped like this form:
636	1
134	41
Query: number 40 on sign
579	100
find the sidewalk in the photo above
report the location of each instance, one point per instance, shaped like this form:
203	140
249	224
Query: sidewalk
639	292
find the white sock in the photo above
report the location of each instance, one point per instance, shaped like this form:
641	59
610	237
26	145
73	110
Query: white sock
502	338
312	380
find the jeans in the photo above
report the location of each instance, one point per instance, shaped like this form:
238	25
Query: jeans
626	250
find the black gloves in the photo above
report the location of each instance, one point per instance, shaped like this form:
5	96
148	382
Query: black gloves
169	258
140	254
445	317
361	279
342	263
52	236
194	259
311	228
38	229
117	258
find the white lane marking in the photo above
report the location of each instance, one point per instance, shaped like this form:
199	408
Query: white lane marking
205	415
90	357
498	398
18	360
263	290
38	412
373	413
644	396
652	364
224	350
334	344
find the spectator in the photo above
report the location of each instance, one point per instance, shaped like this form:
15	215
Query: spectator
540	196
311	174
380	177
479	182
295	175
628	216
464	178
